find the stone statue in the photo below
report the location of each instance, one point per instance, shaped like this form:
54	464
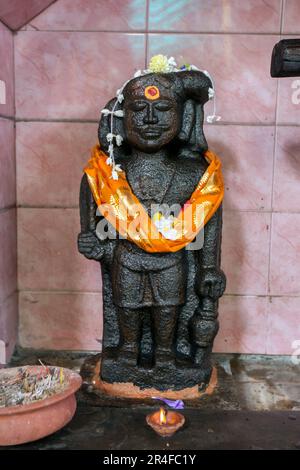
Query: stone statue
160	307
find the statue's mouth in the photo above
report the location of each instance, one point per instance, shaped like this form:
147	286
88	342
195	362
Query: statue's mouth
152	132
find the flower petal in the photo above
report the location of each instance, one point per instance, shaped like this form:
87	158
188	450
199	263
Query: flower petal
119	140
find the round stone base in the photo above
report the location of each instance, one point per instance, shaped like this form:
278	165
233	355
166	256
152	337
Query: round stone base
91	376
129	390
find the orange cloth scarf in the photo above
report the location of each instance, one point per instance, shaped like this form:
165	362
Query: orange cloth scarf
118	204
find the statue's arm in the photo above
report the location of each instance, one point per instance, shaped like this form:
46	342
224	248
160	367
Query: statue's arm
211	280
89	244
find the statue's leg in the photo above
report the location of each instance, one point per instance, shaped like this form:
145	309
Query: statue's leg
130	322
168	286
165	322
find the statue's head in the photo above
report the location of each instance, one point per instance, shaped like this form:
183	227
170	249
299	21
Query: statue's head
152	112
160	109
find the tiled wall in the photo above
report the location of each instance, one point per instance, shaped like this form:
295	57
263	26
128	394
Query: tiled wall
69	61
16	13
8	235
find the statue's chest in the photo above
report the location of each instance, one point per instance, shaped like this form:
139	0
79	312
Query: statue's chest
159	182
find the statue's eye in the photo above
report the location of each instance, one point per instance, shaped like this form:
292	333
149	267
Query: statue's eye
138	105
163	106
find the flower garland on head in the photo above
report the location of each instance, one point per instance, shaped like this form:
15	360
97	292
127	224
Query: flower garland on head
158	64
111	137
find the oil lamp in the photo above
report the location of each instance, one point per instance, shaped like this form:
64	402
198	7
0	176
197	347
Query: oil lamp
165	423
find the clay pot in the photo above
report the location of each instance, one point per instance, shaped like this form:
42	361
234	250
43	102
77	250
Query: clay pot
26	423
174	421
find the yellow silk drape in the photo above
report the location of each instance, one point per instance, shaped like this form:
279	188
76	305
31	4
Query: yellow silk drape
118	204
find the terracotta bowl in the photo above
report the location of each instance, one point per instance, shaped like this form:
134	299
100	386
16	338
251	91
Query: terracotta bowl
174	422
26	423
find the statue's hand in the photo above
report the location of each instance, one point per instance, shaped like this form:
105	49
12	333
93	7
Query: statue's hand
211	283
89	246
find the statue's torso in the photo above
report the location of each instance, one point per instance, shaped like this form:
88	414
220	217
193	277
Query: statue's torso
158	181
163	181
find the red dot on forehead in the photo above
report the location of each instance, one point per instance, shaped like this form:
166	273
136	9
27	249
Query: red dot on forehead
152	91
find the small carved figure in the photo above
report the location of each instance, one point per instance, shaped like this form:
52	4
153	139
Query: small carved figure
161	284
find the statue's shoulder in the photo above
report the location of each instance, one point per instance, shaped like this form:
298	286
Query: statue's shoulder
189	166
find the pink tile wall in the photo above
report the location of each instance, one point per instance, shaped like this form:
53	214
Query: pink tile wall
245	149
246	252
69	62
7	164
226	16
50	159
60	320
240	66
48	257
287	170
72	75
6	71
291	17
285	254
93	15
8	255
15	13
283	333
9	323
8	218
243	325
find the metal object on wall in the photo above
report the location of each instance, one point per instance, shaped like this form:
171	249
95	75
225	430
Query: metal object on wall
285	60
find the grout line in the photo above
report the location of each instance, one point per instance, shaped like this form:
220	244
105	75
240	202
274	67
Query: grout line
16	170
9	118
58	291
20	206
74	120
270	253
282	14
215	33
35	16
268	311
96	121
261	211
8	296
158	31
255	211
14	75
5	24
272	191
274	167
147	33
6	209
105	31
72	291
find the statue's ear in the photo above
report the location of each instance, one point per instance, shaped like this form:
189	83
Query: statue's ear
105	128
191	133
188	121
198	140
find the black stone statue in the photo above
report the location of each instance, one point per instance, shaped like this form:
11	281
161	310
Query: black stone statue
160	309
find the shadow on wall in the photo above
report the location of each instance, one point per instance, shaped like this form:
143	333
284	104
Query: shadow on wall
292	152
233	326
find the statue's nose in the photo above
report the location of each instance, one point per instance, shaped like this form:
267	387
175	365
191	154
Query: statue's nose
150	117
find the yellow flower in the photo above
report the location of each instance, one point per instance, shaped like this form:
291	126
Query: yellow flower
159	63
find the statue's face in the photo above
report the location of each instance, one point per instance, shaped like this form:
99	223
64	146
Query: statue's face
152	116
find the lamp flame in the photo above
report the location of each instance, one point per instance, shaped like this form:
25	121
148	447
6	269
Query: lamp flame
162	416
